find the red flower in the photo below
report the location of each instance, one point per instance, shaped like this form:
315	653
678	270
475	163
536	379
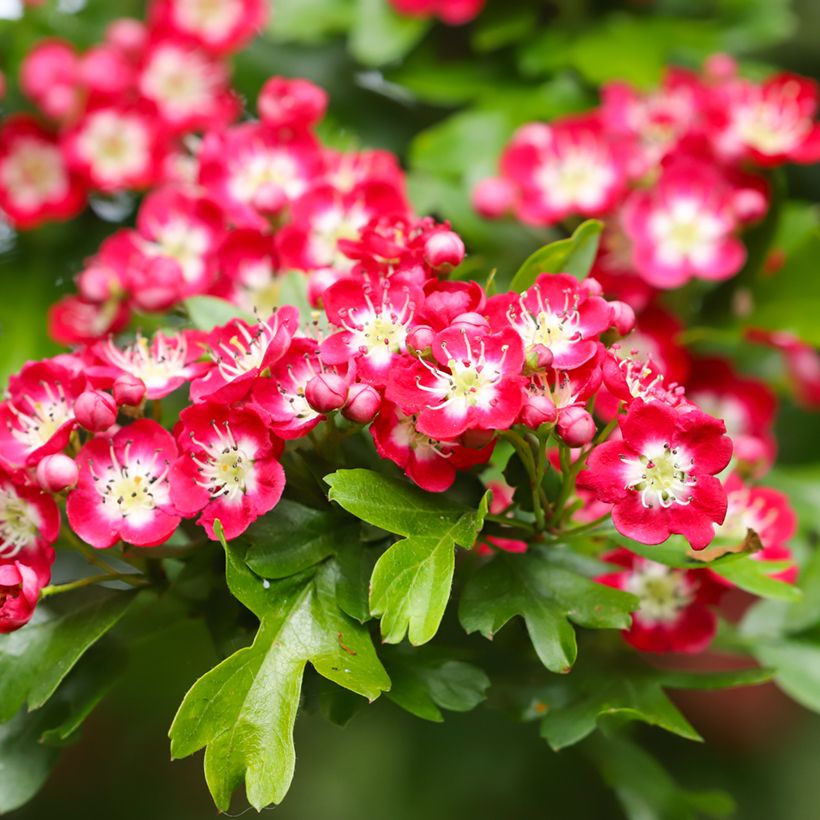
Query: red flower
660	476
37	418
430	463
473	381
674	613
556	313
124	491
21	580
29	520
228	468
241	352
375	317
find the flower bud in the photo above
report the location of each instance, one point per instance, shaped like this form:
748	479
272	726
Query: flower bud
443	251
326	392
493	197
538	410
363	402
470	322
128	390
287	103
539	357
95	410
623	317
575	426
421	338
128	35
97	282
592	286
57	472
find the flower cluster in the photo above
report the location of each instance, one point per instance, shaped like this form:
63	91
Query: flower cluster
118	116
676	172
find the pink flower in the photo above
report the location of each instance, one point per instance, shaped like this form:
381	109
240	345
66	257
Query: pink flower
683	227
29	520
473	381
123	492
75	320
188	87
254	171
21	580
220	26
228	468
445	301
116	148
556	314
37	418
452	12
431	463
769	123
50	75
674	613
163	364
375	319
660	476
247	269
569	167
56	473
241	352
35	184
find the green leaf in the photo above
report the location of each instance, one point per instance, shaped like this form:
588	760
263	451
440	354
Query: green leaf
310	21
426	683
410	588
207	312
573	255
404	509
381	35
293	538
547	596
35	659
754	576
355	563
644	788
291	289
500	26
243	710
797	668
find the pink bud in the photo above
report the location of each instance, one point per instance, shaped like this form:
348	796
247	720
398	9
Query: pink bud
128	35
421	338
57	472
493	197
575	426
539	357
720	67
326	392
363	402
537	411
95	410
128	390
97	282
592	286
105	69
285	103
443	251
470	321
623	317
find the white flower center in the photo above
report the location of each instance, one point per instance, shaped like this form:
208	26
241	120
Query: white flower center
44	417
178	80
263	169
663	591
245	351
211	17
19	523
33	173
660	476
578	177
685	231
226	467
183	241
155	364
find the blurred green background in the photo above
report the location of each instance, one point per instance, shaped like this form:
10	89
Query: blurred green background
515	63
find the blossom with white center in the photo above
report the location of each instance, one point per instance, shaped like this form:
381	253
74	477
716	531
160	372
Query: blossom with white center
228	468
240	352
473	381
675	606
163	363
28	517
123	491
660	475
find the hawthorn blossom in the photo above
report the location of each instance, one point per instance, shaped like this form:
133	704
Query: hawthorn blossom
660	476
432	463
163	364
21	580
35	183
473	381
675	612
294	103
228	468
29	520
124	488
240	352
556	313
247	265
374	318
37	418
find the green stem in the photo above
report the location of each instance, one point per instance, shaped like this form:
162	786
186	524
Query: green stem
57	589
525	453
584	528
510	523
